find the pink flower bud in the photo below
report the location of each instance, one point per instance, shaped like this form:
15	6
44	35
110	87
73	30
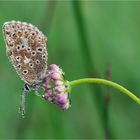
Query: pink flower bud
59	89
53	67
56	76
58	83
55	88
63	99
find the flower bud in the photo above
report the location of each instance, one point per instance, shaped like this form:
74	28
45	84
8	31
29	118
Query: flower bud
56	90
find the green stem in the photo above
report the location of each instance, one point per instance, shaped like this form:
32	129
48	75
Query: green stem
108	83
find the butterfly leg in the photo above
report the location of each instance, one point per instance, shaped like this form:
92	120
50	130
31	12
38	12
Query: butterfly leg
36	91
25	90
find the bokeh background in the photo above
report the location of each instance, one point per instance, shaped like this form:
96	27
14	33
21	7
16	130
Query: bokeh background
86	39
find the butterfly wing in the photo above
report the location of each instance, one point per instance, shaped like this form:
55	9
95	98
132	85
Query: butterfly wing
26	50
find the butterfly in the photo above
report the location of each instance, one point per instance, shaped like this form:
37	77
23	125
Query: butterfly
26	50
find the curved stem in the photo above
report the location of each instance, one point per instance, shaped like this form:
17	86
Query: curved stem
105	82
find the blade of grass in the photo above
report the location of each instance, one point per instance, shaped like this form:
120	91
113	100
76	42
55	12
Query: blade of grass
48	16
106	104
89	65
84	48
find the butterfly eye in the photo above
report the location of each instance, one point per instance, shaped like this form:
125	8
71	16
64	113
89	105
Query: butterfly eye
27	88
25	72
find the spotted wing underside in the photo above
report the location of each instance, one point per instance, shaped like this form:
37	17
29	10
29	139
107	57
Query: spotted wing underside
26	50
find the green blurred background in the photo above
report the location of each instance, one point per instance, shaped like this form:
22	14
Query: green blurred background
86	39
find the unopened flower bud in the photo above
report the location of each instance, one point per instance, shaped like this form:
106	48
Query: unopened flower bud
56	90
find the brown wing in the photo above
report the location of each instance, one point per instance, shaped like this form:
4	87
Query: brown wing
26	50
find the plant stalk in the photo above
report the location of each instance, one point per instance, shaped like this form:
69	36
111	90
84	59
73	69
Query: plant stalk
107	83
